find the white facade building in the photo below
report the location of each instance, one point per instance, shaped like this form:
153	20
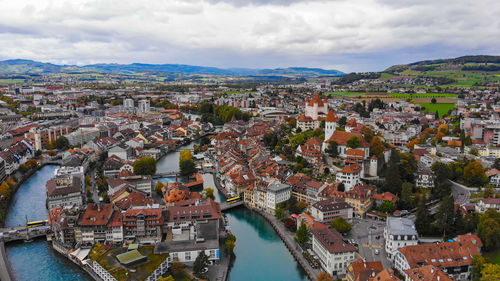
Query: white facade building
399	232
144	106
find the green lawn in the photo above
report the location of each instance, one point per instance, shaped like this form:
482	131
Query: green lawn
442	108
427	95
11	81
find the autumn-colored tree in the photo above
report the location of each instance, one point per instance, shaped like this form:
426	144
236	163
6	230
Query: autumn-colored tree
185	155
32	163
474	174
11	182
51	153
377	146
443	128
323	276
51	144
5	189
209	192
158	187
412	143
439	136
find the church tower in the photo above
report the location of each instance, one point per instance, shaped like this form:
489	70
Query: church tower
330	124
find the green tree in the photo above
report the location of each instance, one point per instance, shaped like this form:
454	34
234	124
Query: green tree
474	174
433	101
393	180
488	229
407	166
406	196
279	213
387	207
178	270
168	278
342	121
332	149
445	216
185	155
302	234
145	166
341	225
230	243
496	165
353	142
62	143
423	220
474	151
200	265
187	168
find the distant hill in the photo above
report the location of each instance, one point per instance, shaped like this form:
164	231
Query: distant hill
465	63
20	66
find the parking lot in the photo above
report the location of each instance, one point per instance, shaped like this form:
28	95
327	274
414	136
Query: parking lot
369	237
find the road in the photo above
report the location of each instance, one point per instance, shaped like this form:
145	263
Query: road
461	193
93	189
365	233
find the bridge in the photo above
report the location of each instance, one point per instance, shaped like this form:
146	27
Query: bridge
224	206
166	175
18	233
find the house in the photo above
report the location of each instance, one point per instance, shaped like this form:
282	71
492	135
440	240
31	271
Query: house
427	273
122	151
454	258
62	222
425	179
309	221
306	123
399	232
277	193
361	270
334	254
330	209
143	224
488	203
350	176
99	223
386	196
494	176
360	198
64	191
311	151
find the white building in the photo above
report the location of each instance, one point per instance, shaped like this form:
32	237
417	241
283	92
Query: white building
330	209
128	103
399	232
144	106
350	176
71	171
334	254
277	193
488	203
64	191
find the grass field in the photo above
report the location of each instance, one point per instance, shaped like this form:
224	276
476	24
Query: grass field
11	81
233	92
442	108
428	95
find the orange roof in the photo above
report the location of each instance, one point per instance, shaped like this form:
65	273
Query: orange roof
331	117
427	273
351	169
341	138
355	152
303	118
316	100
386	196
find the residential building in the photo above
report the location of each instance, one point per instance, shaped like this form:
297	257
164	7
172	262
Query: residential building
41	137
399	232
488	203
386	196
64	191
128	103
144	106
330	209
360	198
77	171
350	176
494	177
334	254
143	224
454	258
425	179
427	273
361	270
277	193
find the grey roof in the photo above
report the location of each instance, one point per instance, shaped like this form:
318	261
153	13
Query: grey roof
331	204
277	187
400	226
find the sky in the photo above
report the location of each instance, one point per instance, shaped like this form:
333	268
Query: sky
348	35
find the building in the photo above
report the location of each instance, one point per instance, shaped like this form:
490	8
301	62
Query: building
64	191
99	223
3	175
426	273
143	224
494	177
488	203
316	107
77	171
425	179
360	198
334	254
386	196
330	209
399	232
454	258
42	137
144	106
277	193
350	176
128	103
361	270
306	123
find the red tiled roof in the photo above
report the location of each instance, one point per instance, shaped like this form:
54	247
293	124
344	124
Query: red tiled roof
95	215
331	117
427	273
331	240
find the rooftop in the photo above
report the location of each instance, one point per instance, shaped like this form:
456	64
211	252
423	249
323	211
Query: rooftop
401	226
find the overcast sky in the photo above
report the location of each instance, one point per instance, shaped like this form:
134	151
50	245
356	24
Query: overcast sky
349	35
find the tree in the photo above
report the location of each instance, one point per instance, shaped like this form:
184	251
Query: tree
423	220
332	149
488	229
445	215
145	166
209	192
178	269
168	278
496	165
368	134
230	243
441	171
62	143
5	189
302	234
490	272
393	180
185	155
187	168
474	174
353	142
474	151
38	153
377	147
407	166
323	276
200	265
279	213
11	182
406	196
436	115
158	187
387	207
341	225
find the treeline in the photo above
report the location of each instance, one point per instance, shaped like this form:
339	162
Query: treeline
481	67
351	77
220	114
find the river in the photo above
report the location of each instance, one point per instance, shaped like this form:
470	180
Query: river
260	253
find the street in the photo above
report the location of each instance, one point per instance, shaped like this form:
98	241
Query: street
461	193
365	233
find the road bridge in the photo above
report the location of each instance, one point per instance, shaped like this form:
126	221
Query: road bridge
224	206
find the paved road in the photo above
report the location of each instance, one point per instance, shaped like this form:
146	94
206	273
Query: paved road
365	233
461	193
